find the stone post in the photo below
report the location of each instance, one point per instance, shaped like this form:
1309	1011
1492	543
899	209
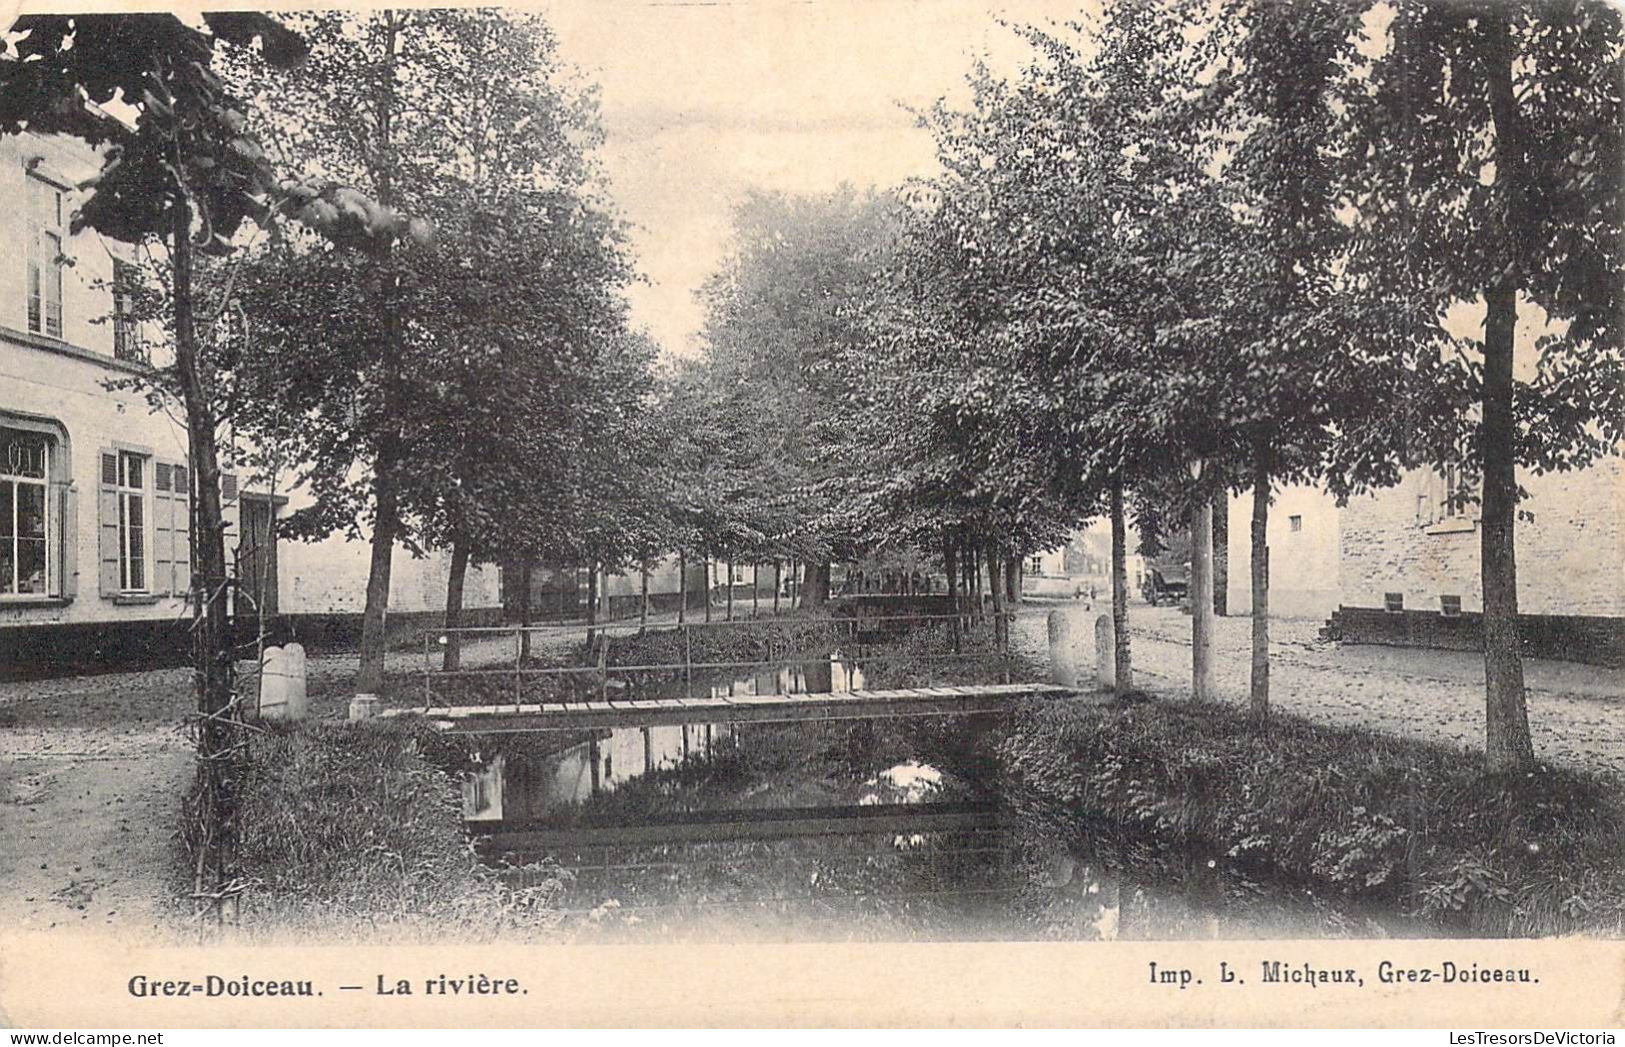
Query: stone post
1063	664
273	701
298	695
1105	652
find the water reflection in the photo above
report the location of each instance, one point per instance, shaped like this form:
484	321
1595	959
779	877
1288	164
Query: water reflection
1027	871
834	676
529	786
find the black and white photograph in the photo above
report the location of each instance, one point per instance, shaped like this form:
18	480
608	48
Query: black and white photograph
975	493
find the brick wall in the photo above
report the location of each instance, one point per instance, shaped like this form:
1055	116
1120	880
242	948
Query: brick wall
1571	549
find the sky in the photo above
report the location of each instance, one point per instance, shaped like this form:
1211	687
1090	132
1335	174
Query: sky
705	101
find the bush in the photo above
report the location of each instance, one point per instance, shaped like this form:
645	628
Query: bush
1368	816
352	831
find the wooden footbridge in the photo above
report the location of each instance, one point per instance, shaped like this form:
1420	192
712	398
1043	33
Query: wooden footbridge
979	699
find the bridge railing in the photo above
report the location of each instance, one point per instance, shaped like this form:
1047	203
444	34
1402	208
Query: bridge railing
601	637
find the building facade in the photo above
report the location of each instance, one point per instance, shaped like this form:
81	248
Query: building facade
1410	564
95	539
1304	535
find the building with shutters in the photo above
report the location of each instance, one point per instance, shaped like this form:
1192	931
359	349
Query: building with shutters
95	536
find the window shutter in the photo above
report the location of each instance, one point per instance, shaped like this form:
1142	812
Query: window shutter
181	531
107	530
229	510
163	531
67	542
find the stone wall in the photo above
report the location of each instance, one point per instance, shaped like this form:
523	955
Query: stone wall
1402	557
1570	542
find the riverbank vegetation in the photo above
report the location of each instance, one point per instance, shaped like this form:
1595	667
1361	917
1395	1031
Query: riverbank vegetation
351	834
1415	830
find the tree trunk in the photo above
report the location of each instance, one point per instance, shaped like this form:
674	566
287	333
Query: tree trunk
817	585
1201	599
1122	661
682	587
592	596
778	583
1259	701
997	590
730	614
1012	581
755	590
708	585
643	605
1221	553
524	612
453	659
1507	744
369	681
214	657
386	484
976	581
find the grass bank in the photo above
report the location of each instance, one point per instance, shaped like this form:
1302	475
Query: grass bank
352	832
1412	828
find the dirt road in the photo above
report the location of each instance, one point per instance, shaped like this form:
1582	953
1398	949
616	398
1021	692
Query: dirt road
1576	712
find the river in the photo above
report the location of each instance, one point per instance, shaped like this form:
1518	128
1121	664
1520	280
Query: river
887	830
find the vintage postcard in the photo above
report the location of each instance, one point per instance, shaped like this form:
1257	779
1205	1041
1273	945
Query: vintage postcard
821	513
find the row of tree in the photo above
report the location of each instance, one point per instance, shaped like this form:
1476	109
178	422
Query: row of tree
1193	249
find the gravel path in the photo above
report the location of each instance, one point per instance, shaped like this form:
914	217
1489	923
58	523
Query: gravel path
93	770
1576	712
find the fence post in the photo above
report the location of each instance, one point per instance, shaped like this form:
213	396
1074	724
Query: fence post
603	667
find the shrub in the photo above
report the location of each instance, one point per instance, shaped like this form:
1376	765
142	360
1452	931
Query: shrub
1414	826
352	831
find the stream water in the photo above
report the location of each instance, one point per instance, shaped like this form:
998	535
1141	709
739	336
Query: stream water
960	854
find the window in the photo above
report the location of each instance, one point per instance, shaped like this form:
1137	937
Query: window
1036	566
26	523
45	258
1295	523
132	522
1450	606
1449	499
1393	603
1453	493
127	341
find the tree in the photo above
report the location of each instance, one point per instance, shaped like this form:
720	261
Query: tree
1068	210
490	338
1483	166
187	174
1294	380
778	316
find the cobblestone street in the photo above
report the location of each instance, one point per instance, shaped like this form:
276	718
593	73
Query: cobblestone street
1576	712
